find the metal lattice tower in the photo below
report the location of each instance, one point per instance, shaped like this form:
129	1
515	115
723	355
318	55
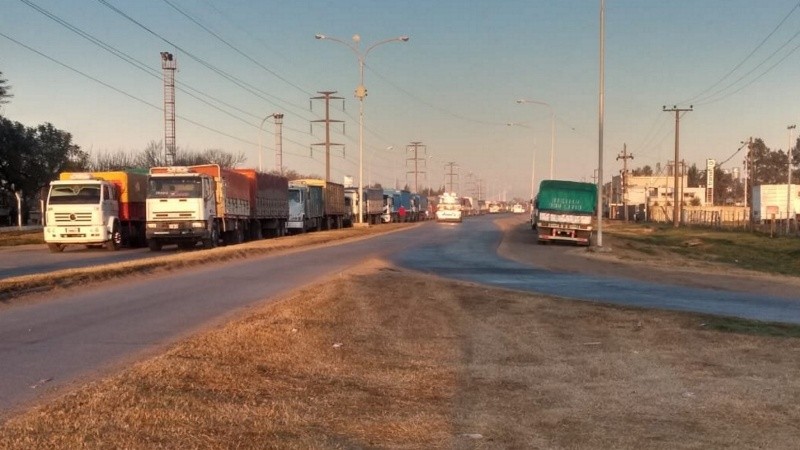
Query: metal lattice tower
414	148
327	96
169	64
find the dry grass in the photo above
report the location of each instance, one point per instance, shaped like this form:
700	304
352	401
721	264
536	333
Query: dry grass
10	238
17	286
427	363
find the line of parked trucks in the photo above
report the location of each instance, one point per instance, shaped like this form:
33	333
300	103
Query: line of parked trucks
206	205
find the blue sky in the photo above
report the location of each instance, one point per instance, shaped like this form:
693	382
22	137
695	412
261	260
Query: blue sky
453	86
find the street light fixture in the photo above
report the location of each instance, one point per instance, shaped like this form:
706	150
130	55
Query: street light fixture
360	93
552	128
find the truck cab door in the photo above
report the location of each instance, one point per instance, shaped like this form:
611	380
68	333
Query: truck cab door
109	201
209	198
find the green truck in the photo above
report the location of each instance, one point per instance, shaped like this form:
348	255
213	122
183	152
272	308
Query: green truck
565	211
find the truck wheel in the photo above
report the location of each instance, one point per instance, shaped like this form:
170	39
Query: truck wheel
212	240
115	242
154	245
56	248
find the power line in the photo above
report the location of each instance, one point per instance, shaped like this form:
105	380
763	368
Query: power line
769	69
431	105
147	69
235	80
752	52
120	91
234	48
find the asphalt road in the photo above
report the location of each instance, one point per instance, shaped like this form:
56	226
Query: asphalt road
50	344
32	259
469	253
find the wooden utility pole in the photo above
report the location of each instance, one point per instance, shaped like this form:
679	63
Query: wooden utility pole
327	96
676	212
625	156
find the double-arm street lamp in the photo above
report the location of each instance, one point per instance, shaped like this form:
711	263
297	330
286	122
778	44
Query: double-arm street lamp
552	128
361	92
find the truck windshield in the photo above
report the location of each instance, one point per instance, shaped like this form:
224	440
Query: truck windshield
175	187
74	194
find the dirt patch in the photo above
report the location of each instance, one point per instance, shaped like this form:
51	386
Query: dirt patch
382	357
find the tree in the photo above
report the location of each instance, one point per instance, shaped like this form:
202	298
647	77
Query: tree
694	177
4	90
645	171
31	157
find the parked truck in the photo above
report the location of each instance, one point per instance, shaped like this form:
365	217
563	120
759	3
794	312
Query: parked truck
333	205
372	208
269	204
96	209
770	202
306	207
448	208
197	204
393	201
564	211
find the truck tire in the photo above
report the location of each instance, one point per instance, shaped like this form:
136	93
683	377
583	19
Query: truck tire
115	242
213	240
56	248
155	246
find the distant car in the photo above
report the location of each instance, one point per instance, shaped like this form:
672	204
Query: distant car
517	209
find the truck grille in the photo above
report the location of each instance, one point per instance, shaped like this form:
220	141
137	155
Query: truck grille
80	217
173	215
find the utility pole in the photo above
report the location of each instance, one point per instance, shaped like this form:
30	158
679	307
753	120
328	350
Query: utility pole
676	219
625	156
747	167
415	147
450	175
327	96
169	63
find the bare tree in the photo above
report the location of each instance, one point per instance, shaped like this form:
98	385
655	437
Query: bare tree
4	90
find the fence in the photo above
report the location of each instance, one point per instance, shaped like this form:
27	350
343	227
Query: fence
723	217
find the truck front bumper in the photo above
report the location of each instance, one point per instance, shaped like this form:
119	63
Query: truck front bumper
76	234
177	231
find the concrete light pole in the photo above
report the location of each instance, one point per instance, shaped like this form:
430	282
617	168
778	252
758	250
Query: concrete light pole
552	128
360	93
278	142
601	120
789	182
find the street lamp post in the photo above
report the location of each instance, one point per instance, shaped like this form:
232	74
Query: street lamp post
789	182
278	142
261	143
360	93
552	129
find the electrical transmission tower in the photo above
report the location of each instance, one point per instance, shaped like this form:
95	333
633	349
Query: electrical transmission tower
327	96
414	148
450	176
